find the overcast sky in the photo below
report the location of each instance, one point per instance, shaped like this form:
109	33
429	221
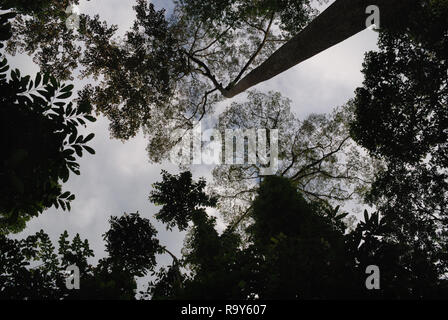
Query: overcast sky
118	178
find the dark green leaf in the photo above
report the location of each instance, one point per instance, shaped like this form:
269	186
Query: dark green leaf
67	88
89	137
64	195
38	79
90	118
65	95
89	149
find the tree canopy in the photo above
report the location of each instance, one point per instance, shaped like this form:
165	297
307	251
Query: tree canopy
317	154
39	141
167	71
32	269
296	249
401	117
280	236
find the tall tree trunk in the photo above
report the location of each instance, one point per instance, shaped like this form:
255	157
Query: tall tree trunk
340	21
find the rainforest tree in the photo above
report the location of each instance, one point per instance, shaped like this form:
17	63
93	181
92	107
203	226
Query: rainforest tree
39	142
401	117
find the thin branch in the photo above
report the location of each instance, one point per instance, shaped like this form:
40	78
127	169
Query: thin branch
213	42
171	254
252	58
240	219
320	160
207	71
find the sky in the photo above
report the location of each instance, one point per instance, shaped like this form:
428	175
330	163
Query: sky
118	177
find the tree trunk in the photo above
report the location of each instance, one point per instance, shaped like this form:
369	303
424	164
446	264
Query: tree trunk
340	21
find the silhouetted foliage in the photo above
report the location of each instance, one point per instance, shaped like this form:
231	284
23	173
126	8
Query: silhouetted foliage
295	249
408	270
24	6
180	197
213	259
401	109
131	244
38	141
31	268
316	153
292	14
167	71
401	117
40	30
300	248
